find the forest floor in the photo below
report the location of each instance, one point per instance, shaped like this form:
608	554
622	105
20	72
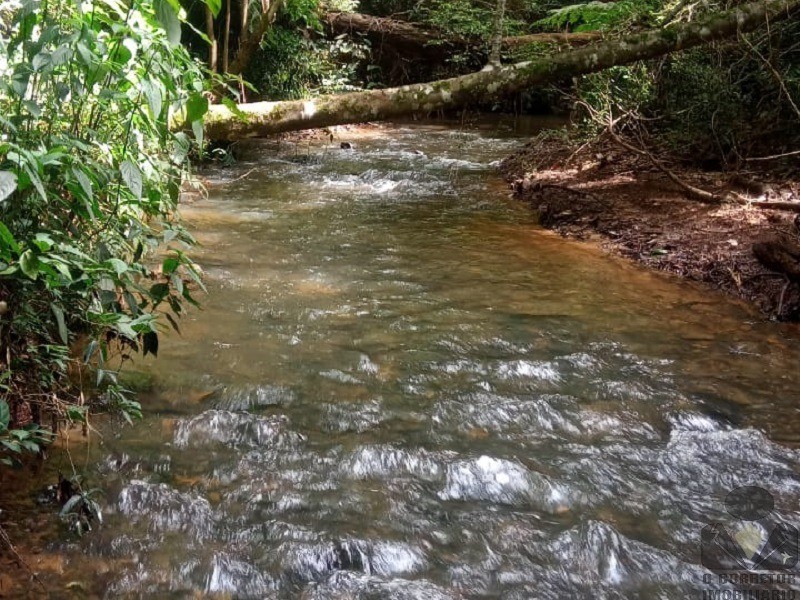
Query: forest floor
605	193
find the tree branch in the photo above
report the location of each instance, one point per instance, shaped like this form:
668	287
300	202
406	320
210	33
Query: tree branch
248	47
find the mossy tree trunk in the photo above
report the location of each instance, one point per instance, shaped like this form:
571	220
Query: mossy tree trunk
264	118
497	40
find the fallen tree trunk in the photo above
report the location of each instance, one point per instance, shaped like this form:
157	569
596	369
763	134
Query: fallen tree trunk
563	39
403	34
264	118
392	31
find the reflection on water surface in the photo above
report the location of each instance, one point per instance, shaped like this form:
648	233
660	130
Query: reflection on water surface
400	388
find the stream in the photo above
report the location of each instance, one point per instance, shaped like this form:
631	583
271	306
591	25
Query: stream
400	387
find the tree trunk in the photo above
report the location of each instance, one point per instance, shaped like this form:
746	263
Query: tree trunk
226	37
212	38
405	35
264	118
561	39
248	47
244	30
391	31
497	40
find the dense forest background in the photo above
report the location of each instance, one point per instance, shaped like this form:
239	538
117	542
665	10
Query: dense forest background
724	102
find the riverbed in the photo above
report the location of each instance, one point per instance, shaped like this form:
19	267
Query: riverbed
399	386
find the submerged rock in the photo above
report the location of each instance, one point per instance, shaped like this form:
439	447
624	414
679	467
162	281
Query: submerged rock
316	562
503	482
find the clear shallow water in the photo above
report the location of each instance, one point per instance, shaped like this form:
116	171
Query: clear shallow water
399	387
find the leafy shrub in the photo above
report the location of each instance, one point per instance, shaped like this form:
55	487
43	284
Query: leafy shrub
467	18
16	441
291	66
90	175
721	102
594	15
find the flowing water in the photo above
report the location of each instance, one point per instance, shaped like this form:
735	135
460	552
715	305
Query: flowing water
400	387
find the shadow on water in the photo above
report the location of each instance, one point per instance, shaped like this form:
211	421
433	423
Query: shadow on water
400	387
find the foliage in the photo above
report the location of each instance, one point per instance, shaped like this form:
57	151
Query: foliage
632	87
714	109
721	102
466	18
15	442
340	5
89	181
302	13
594	15
291	66
79	509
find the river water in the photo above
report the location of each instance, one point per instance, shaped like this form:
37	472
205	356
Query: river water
400	387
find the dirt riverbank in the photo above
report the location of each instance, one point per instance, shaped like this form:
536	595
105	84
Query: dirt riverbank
604	193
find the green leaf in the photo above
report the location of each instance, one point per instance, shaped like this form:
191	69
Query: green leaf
62	326
61	56
76	413
8	239
196	107
30	446
197	129
8	184
158	292
70	504
85	54
173	323
214	5
183	144
84	181
33	108
152	92
168	17
189	298
29	264
94	508
40	60
5	415
11	445
150	343
133	306
234	108
118	265
124	328
169	265
43	242
20	434
90	350
177	283
132	177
